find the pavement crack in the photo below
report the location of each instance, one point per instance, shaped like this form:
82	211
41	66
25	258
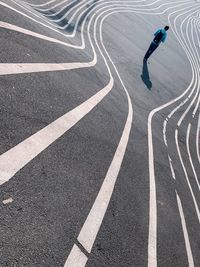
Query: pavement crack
82	248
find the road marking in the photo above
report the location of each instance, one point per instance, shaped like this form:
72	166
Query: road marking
77	258
186	176
19	68
37	21
93	222
17	157
197	139
171	168
96	215
152	239
7	201
189	154
12	27
185	233
43	4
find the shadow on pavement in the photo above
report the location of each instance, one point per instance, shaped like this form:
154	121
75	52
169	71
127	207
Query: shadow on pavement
145	76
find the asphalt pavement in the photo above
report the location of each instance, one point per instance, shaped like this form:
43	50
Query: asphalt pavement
99	150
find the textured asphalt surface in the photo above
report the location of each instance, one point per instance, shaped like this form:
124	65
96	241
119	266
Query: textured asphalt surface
53	194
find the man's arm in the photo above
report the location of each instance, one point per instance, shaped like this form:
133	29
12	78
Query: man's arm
164	37
156	32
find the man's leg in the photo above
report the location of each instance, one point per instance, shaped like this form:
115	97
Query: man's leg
151	49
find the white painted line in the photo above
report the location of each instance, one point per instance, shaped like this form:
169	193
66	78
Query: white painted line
185	233
152	239
197	139
43	24
43	4
20	68
95	217
55	6
186	176
76	259
30	33
189	155
165	130
17	157
171	168
93	222
187	109
63	8
8	201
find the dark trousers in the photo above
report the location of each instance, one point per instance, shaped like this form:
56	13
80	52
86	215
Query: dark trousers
151	49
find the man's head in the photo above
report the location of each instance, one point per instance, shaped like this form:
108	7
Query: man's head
166	28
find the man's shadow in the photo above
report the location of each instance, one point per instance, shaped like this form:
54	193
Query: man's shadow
145	75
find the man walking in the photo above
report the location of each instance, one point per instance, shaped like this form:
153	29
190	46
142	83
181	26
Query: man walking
160	36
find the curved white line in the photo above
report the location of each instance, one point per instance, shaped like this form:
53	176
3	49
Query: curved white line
152	241
95	217
19	68
189	154
43	4
197	138
186	176
185	233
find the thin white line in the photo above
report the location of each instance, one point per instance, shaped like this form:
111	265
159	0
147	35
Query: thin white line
171	167
91	226
95	217
106	5
47	26
93	222
186	176
196	66
17	157
152	239
197	138
56	5
76	24
189	154
19	68
185	233
164	131
62	8
76	259
43	4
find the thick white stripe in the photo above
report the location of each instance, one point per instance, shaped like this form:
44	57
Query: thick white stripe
93	222
19	68
185	233
17	157
152	239
76	259
30	33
